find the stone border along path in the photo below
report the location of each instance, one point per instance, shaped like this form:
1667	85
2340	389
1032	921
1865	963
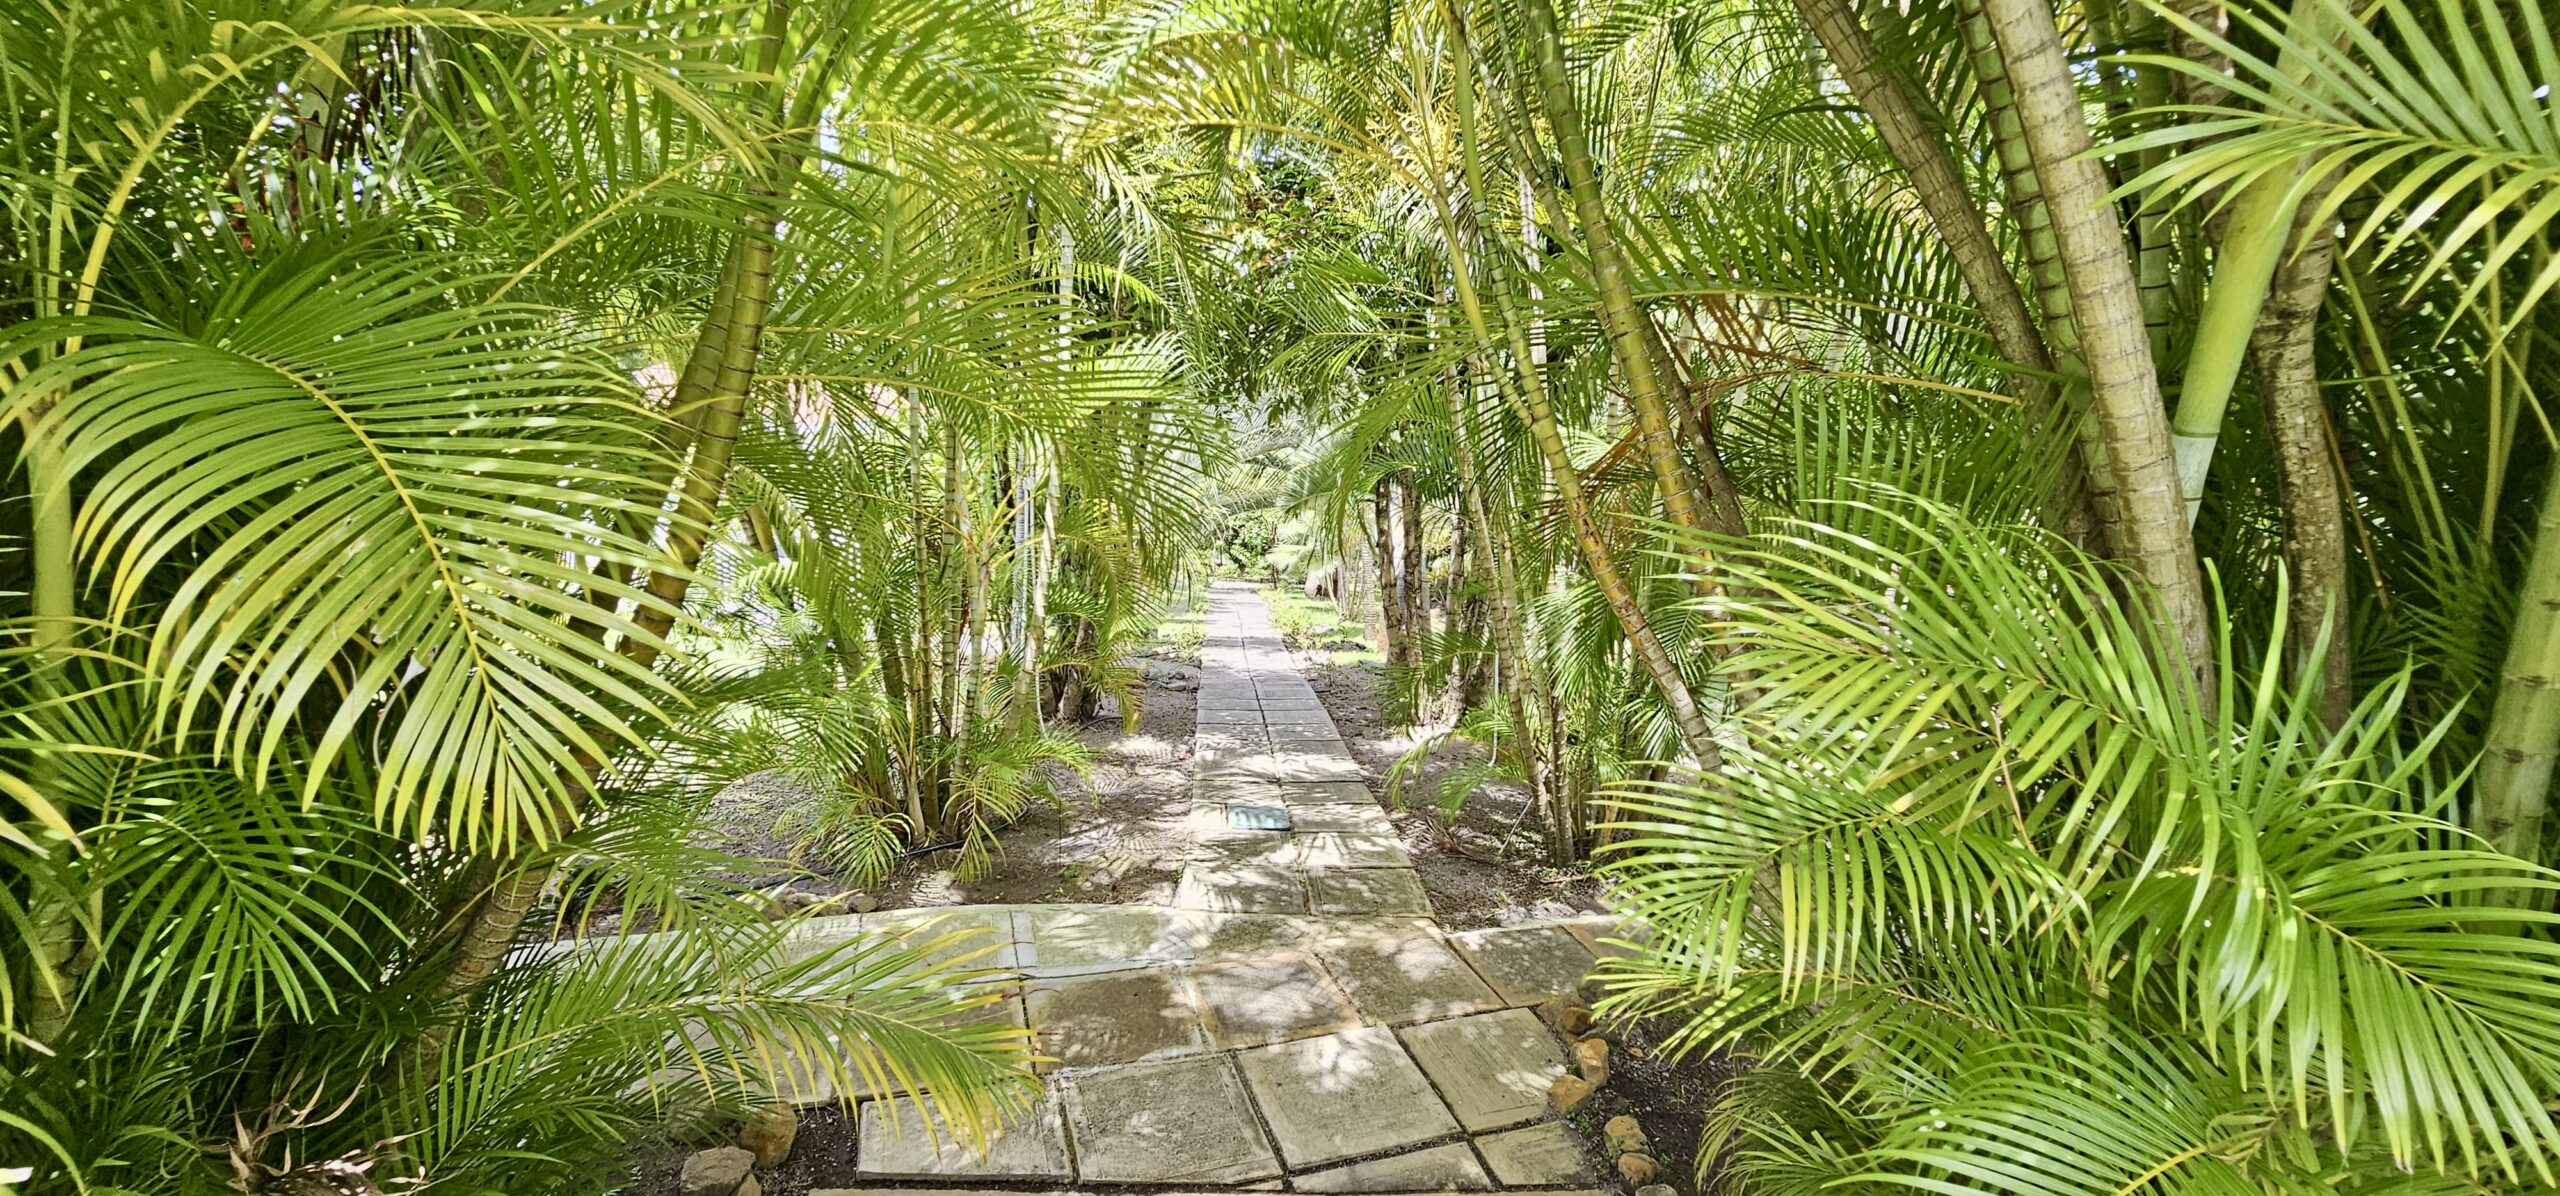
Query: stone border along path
1297	1022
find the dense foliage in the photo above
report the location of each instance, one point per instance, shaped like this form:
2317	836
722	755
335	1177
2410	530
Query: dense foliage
2021	536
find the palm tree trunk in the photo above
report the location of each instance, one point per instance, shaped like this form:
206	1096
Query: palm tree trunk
2261	224
1514	667
1923	152
1622	320
1524	389
2044	258
2512	791
495	920
1469	614
2124	385
1391	608
2315	513
956	573
1412	573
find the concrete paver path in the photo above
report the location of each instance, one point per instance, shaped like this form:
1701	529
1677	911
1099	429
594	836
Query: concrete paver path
1296	1021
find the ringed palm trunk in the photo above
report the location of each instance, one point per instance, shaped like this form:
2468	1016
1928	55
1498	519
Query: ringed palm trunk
1514	666
1391	608
1929	161
2307	480
1411	571
2124	385
1622	320
2044	258
2513	786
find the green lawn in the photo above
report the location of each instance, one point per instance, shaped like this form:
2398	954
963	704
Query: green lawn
1308	624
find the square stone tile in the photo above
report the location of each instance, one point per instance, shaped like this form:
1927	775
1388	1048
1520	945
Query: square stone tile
901	1140
1527	964
807	939
1245	849
1290	765
1604	936
1064	940
810	1077
1396	891
1334	849
1115	1017
1398	978
1342	818
1252	717
1185	1121
1449	1167
1342	1096
1325	793
1241	889
1220	789
979	936
1302	734
1535	1156
1249	1002
1241	936
1493	1068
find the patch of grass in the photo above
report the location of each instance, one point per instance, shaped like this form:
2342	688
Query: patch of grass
1181	631
1312	625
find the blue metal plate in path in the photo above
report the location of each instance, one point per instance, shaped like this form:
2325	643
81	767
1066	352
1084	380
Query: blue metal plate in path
1258	818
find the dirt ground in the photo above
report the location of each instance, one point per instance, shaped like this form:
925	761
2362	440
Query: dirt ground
1116	836
1670	1098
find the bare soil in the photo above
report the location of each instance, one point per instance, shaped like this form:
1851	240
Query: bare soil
1669	1097
1115	836
1481	869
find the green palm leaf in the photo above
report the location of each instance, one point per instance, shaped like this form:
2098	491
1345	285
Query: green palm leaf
357	491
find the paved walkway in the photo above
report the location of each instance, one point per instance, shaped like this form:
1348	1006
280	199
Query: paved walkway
1297	1021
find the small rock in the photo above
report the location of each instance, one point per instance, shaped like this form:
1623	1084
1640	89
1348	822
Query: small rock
1657	1190
1576	1019
769	1132
1591	1058
864	903
1626	1134
1568	1093
720	1171
1637	1169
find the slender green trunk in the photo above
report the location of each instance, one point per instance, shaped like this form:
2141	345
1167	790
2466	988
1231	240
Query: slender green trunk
956	581
1514	666
2512	789
1622	319
1524	388
491	927
1027	565
2124	384
2254	238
